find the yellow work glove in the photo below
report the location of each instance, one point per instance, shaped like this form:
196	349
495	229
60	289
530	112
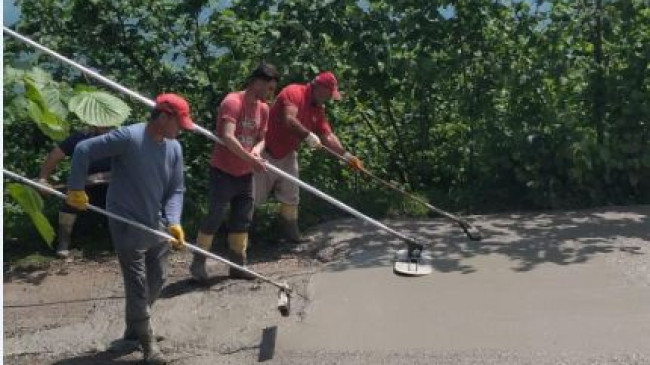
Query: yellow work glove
353	161
77	199
177	231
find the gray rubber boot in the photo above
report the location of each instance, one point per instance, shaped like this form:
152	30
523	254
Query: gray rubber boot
150	350
66	223
127	344
241	261
291	232
197	268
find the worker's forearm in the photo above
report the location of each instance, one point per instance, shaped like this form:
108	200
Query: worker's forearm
53	159
332	142
296	127
235	147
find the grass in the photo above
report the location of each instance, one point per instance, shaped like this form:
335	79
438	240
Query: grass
35	261
25	250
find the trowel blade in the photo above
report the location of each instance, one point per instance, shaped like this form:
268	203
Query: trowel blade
412	266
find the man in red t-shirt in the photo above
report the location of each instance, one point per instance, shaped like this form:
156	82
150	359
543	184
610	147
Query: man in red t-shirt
297	115
241	125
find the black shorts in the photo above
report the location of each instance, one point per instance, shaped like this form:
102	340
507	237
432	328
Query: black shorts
225	190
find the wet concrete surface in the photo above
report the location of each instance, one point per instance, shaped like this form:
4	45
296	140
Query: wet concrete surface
568	288
582	308
543	288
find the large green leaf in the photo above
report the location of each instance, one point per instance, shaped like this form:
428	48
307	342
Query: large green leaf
99	109
49	123
45	108
39	76
52	98
78	88
48	97
32	204
33	93
44	227
26	197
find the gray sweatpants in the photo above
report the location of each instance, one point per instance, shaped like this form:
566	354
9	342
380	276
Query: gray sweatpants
143	260
267	182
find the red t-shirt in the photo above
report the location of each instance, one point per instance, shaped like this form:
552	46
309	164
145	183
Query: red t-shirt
251	122
280	141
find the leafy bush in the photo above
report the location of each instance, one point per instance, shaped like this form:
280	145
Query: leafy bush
477	106
35	99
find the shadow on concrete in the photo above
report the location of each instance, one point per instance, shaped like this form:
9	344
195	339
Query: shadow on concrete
527	239
100	358
188	285
35	277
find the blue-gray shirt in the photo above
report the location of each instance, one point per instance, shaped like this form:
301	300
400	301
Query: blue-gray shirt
147	175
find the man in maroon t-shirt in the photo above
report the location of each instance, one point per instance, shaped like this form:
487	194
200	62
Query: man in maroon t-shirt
297	115
241	124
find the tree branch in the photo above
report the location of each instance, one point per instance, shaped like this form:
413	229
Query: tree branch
400	139
123	46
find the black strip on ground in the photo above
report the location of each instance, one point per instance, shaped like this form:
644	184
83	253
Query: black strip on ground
267	346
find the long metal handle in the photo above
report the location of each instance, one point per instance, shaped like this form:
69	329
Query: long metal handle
200	130
471	231
13	175
318	193
80	67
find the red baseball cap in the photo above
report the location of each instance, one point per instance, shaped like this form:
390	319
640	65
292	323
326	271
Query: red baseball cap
328	80
175	104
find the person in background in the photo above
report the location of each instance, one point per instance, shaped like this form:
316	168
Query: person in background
97	184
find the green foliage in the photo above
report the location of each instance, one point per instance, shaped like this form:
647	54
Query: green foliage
32	262
99	108
34	96
32	204
489	105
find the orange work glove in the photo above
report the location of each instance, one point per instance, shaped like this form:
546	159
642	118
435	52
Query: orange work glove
353	161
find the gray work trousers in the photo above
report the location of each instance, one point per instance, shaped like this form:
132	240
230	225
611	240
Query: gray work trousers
267	182
143	260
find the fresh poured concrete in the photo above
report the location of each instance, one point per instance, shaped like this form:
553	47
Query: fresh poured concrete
578	283
542	289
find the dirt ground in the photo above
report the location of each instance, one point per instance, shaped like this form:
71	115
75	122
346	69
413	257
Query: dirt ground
69	313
